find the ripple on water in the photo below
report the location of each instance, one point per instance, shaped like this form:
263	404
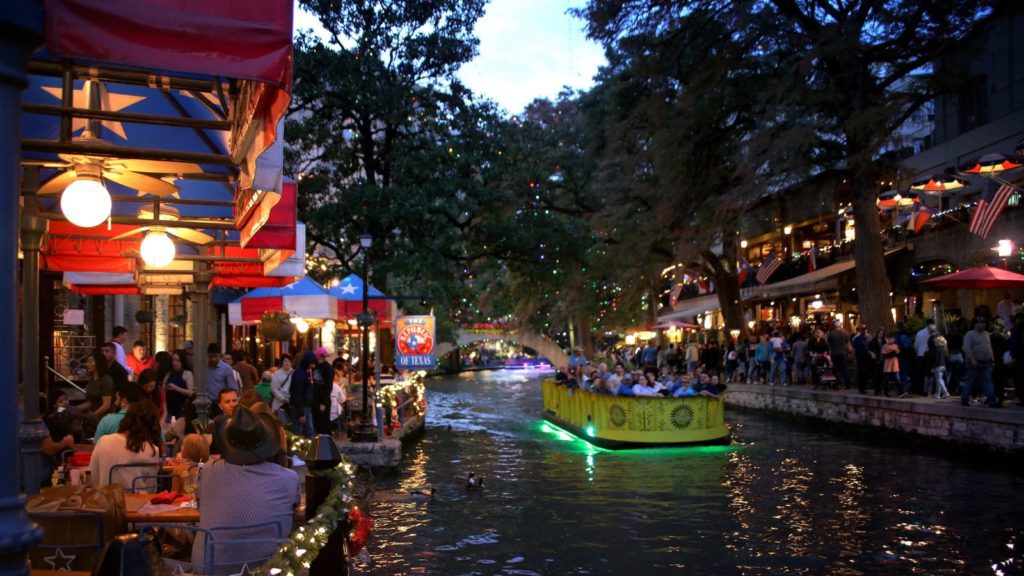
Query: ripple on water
787	498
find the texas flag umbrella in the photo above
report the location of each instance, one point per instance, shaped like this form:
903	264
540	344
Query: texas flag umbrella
983	277
303	298
349	293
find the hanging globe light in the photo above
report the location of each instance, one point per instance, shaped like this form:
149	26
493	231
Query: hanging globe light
85	202
157	249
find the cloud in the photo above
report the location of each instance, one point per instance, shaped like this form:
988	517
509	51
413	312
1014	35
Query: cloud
530	49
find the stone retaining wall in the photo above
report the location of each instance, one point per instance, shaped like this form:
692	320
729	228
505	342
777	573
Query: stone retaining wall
998	428
388	452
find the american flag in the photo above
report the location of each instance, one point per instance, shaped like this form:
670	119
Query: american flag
768	267
989	207
812	259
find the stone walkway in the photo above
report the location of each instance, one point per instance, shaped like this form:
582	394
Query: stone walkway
999	428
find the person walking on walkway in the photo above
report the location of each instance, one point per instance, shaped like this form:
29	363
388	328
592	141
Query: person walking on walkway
939	353
891	366
921	368
839	349
980	358
1016	350
865	363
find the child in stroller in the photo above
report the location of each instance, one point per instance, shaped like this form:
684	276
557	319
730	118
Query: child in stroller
822	374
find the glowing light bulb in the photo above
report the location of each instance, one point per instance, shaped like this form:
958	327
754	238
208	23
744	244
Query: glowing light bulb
86	203
157	249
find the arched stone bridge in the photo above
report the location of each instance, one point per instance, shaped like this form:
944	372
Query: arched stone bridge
542	344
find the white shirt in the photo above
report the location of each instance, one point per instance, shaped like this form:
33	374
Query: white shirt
921	341
120	356
1005	309
644	390
111	450
279	383
337	399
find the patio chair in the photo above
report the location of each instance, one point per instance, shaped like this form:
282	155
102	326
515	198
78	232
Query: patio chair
72	540
265	539
152	483
143	469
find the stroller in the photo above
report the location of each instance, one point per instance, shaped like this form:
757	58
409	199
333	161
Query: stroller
822	374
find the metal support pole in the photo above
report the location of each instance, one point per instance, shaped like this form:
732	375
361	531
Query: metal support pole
21	30
32	429
201	336
365	432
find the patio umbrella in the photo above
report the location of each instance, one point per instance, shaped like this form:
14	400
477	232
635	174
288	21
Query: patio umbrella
303	298
349	293
983	277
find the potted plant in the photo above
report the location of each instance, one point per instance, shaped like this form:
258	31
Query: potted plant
276	325
144	316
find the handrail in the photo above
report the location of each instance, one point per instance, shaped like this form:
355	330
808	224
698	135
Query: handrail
65	379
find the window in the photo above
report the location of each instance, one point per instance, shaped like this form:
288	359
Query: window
972	103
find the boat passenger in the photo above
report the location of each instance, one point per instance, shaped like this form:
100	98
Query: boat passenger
626	387
684	390
616	377
644	386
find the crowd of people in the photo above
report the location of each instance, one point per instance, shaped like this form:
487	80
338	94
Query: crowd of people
140	414
648	381
140	407
977	361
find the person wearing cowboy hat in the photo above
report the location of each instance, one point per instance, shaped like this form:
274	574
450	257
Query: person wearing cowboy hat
246	468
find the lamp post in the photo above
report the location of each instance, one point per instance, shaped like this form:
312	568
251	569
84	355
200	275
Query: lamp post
365	432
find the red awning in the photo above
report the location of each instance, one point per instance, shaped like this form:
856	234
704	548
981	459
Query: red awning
253	308
68	248
274	224
249	39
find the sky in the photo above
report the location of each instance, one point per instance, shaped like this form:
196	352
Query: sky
528	49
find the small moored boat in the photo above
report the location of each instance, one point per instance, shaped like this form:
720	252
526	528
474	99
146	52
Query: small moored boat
635	421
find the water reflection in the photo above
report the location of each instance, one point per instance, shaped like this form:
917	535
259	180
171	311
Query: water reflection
785	499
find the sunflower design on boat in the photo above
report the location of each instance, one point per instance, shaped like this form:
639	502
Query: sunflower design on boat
682	416
617	415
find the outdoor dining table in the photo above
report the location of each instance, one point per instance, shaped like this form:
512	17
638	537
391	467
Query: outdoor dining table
133	503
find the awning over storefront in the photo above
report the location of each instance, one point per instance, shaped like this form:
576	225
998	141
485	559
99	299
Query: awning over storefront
822	279
176	108
692	307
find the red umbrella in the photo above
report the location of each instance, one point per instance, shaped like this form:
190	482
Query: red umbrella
983	277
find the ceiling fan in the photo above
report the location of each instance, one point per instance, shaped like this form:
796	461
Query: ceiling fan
131	173
168	216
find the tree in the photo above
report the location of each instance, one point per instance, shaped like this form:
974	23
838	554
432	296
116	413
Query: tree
682	109
845	76
384	140
859	70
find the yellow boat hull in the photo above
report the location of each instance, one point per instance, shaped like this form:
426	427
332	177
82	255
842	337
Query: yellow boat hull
635	422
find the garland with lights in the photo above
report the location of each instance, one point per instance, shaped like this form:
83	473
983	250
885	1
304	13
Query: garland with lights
338	512
389	394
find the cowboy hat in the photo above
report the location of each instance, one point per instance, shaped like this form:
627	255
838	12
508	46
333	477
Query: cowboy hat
248	437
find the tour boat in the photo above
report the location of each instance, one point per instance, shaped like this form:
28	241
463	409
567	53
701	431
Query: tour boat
635	421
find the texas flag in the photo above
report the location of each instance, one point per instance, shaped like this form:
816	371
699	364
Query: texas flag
812	259
745	269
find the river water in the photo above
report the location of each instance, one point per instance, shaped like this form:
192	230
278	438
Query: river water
786	498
